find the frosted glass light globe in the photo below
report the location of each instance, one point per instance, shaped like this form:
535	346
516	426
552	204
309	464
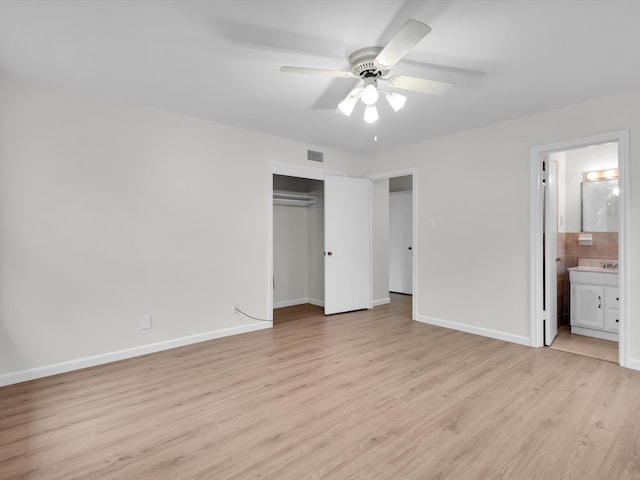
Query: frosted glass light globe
396	100
347	105
370	114
370	95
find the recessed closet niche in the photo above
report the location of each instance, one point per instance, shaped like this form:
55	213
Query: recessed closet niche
298	241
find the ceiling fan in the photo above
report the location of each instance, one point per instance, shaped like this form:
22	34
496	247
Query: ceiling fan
371	64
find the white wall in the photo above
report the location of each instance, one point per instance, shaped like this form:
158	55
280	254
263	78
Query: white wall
473	269
298	254
315	250
290	254
109	211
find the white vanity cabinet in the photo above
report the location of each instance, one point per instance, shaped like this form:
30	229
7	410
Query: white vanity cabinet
612	310
595	303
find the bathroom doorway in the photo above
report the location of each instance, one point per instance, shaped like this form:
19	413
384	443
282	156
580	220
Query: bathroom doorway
579	233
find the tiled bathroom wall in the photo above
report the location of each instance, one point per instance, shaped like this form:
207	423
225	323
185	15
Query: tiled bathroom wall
605	247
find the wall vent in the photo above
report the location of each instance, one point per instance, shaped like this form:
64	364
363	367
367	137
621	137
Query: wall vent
315	156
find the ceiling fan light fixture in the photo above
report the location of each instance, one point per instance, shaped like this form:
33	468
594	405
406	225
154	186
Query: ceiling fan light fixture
348	104
396	100
370	114
370	64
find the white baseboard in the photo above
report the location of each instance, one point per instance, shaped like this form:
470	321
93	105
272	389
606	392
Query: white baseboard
290	303
298	301
316	302
633	363
589	332
485	332
62	367
381	301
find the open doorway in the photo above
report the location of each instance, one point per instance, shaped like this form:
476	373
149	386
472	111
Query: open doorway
586	235
579	246
401	235
395	238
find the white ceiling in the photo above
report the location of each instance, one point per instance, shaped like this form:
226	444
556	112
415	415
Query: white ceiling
219	59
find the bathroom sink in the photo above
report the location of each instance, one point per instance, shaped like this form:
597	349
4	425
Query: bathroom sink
593	275
585	268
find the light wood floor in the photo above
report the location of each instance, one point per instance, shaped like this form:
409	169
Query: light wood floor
296	312
584	345
367	395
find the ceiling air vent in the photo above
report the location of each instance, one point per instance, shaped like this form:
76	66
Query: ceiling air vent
315	156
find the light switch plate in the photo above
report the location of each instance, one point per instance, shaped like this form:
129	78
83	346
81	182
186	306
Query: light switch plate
145	322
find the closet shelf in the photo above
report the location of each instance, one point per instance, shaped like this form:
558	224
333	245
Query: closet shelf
294	199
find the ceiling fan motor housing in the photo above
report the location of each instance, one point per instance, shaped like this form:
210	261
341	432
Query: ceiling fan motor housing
362	62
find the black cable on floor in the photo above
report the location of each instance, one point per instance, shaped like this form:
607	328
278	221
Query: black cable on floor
254	318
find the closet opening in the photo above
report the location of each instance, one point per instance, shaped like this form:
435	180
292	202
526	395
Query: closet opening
298	247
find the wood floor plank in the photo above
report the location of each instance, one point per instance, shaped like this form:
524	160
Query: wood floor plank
585	345
368	394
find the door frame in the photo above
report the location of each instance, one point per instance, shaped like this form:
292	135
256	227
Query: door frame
414	221
537	219
301	171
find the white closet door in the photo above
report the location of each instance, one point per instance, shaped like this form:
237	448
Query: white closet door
347	244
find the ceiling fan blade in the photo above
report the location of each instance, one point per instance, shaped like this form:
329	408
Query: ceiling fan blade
317	71
422	85
357	90
409	35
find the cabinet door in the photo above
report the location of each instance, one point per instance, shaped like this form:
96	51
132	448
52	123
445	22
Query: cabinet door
612	309
587	306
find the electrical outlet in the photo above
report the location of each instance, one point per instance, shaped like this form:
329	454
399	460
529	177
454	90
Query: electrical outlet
145	322
236	308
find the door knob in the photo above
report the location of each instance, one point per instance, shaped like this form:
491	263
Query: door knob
410	248
329	253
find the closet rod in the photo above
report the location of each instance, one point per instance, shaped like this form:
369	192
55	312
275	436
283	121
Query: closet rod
294	199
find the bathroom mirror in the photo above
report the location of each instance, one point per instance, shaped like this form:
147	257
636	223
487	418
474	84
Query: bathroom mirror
600	206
